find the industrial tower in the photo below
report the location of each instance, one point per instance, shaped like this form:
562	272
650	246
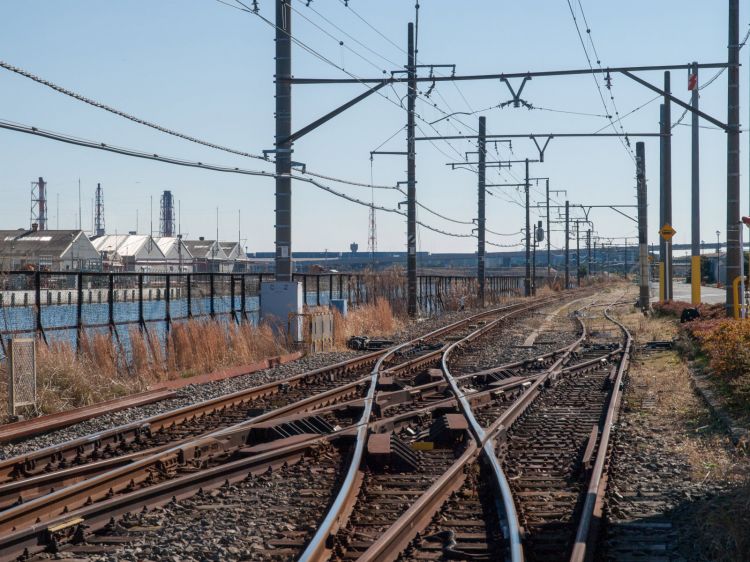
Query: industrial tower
99	211
39	204
166	222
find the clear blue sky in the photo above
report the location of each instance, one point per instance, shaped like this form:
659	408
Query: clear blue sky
207	70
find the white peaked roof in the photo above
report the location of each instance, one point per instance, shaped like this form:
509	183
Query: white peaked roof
108	242
139	246
170	247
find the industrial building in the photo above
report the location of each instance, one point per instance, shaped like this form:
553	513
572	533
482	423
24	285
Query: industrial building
208	256
49	250
130	253
177	257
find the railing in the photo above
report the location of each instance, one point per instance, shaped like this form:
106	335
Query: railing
68	305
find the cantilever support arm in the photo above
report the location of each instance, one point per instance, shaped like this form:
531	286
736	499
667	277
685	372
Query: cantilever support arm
678	101
328	116
616	210
541	149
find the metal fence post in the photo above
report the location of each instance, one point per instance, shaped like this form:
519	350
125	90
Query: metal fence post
317	288
79	310
304	289
341	294
110	303
211	289
231	298
330	288
243	316
167	311
38	303
189	297
141	320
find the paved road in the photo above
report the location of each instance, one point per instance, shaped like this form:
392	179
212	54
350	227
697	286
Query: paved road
709	295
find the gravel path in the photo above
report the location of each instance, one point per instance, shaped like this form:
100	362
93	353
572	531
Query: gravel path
672	466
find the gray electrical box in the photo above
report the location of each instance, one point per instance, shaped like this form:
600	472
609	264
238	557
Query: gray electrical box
340	305
279	299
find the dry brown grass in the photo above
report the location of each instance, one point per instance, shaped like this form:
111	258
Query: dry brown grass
666	407
102	369
374	320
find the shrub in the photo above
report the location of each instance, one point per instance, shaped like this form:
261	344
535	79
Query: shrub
726	344
675	309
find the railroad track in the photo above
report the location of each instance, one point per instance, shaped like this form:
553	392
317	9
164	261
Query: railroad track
64	493
525	479
28	476
390	492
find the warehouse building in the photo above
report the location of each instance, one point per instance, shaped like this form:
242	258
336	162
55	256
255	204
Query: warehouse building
48	250
130	253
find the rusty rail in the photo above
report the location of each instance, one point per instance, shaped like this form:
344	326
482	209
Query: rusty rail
338	513
418	516
41	514
584	538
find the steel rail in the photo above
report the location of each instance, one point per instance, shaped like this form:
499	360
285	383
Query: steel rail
337	515
13	468
76	495
595	490
509	416
34	487
94	516
33	537
79	495
391	543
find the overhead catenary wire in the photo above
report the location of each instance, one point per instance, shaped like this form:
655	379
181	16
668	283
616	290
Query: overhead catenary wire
347	34
139	120
596	81
68	139
317	54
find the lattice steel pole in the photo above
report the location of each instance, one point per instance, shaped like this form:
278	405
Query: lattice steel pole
411	192
734	251
481	220
283	148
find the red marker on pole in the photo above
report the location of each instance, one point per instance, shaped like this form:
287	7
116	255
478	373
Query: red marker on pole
692	81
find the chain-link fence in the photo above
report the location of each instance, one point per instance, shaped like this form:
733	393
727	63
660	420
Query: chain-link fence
21	374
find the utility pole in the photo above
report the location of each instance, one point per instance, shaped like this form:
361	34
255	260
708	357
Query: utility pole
734	251
567	243
411	193
578	255
481	207
588	251
695	227
549	252
640	173
283	148
662	208
527	281
668	275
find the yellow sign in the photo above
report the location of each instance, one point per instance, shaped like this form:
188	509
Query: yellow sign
667	231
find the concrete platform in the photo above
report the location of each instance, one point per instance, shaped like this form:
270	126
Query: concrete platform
709	295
